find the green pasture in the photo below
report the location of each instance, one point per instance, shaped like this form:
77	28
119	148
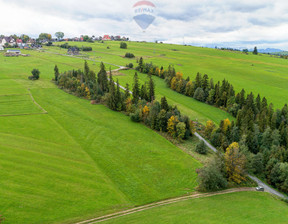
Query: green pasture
261	73
236	208
79	160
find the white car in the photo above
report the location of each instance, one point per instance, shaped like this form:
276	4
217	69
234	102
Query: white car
260	188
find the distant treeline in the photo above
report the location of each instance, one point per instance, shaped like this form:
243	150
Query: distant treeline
259	128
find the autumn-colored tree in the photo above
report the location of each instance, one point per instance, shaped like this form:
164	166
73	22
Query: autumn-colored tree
87	93
181	130
210	126
235	163
192	126
145	111
226	124
173	83
171	126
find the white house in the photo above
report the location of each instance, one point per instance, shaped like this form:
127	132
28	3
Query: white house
1	47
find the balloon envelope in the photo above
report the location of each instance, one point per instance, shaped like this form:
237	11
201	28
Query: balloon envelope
144	13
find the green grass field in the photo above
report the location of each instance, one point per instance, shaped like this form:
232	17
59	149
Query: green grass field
82	160
262	73
79	160
236	208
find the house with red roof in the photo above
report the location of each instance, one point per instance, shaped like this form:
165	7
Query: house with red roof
106	37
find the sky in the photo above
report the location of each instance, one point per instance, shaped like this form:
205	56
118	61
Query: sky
227	23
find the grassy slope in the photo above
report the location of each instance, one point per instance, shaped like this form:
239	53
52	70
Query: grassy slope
236	208
268	75
78	160
187	105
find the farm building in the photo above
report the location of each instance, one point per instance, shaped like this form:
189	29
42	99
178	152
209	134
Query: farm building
14	51
73	51
106	37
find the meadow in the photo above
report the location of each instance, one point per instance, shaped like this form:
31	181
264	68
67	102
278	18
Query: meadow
81	160
261	73
78	160
238	208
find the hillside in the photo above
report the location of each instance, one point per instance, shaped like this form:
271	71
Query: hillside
78	160
261	73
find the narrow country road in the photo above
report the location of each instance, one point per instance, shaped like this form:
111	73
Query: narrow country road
162	203
259	182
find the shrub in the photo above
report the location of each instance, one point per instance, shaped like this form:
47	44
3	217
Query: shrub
135	117
211	177
49	44
129	55
35	74
123	45
201	148
130	65
86	48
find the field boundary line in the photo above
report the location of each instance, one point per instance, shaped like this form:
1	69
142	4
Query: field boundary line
25	94
34	101
162	203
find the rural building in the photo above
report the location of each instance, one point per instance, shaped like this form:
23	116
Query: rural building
9	40
73	51
14	51
1	47
106	37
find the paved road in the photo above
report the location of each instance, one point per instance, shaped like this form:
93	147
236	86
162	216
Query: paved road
267	187
259	182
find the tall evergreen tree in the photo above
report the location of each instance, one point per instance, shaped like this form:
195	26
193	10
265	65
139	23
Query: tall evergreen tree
136	89
127	91
151	87
102	78
255	51
164	104
56	72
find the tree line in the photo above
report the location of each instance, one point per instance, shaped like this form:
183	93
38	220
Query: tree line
140	105
260	130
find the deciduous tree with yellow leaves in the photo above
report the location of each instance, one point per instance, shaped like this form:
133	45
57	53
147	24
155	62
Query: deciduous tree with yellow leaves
235	163
171	126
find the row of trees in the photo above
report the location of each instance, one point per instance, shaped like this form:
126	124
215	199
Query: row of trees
83	48
260	130
140	104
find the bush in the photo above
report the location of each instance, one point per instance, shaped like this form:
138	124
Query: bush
35	74
86	48
135	117
201	148
129	55
130	65
123	45
49	44
211	178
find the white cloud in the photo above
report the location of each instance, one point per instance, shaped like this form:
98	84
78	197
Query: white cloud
227	22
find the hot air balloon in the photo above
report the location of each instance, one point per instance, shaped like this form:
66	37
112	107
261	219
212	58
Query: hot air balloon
144	13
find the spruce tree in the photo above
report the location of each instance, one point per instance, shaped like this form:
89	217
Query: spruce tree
151	87
86	72
56	72
127	91
136	90
164	104
102	78
255	51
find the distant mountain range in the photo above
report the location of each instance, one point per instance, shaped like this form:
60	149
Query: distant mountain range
268	50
